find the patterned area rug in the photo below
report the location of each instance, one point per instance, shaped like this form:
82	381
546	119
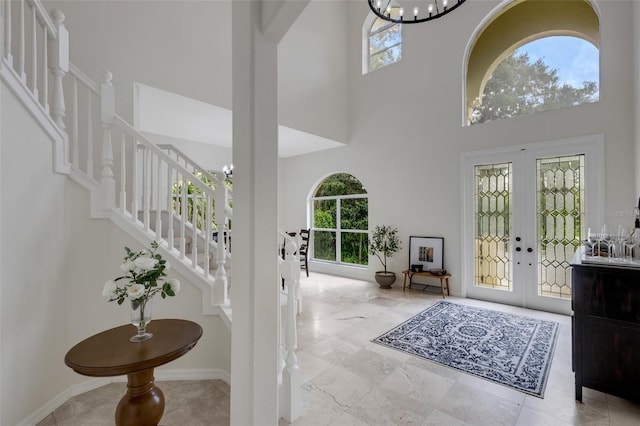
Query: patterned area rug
508	349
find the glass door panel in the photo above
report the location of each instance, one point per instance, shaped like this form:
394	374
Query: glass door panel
560	218
493	257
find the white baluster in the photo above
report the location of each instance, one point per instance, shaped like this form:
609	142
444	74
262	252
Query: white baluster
145	187
291	381
58	52
90	136
107	111
183	217
208	233
21	43
170	233
74	124
45	70
194	229
220	290
123	173
158	197
34	52
134	181
227	222
7	32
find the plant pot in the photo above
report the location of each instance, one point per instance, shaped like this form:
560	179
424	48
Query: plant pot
385	279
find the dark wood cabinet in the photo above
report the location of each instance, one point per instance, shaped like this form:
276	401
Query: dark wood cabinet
606	329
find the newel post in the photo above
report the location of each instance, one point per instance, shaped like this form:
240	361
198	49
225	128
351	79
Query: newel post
58	60
291	401
220	296
108	115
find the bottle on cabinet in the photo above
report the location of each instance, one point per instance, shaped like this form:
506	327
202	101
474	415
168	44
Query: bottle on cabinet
634	238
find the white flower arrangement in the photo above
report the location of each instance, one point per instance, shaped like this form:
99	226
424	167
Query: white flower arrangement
145	273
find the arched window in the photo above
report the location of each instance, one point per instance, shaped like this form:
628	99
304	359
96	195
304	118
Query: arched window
533	56
383	42
340	221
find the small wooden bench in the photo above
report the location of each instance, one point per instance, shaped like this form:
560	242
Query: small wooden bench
444	279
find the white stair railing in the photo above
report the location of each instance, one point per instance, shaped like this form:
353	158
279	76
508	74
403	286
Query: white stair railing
34	60
124	171
210	178
85	106
36	44
290	391
139	181
187	162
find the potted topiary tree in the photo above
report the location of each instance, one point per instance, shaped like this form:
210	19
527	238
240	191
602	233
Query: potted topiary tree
383	244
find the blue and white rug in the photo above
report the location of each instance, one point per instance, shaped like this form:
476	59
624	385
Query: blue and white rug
509	349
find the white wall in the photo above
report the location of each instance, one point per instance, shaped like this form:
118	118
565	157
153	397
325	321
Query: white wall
312	72
180	46
185	47
54	261
94	254
406	137
32	265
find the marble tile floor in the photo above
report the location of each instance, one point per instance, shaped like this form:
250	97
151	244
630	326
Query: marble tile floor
187	402
350	381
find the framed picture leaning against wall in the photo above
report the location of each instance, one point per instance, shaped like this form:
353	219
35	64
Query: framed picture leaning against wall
426	251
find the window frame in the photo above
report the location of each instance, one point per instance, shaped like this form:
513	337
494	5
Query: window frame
368	32
512	24
531	95
338	230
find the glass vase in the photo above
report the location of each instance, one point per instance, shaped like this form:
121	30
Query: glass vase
141	317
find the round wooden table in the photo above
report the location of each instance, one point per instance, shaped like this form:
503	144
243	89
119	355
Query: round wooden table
110	353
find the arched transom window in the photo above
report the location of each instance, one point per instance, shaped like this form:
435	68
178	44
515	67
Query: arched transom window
533	56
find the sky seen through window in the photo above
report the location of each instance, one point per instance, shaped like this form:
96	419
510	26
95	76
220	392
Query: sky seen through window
576	59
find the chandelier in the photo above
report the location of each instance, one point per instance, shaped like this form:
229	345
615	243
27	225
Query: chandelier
432	9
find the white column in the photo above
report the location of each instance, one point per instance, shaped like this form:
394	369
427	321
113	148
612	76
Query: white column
255	298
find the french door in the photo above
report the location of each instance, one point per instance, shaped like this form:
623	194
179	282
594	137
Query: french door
525	213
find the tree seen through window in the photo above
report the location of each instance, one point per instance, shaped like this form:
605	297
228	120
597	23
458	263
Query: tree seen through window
340	225
385	42
528	81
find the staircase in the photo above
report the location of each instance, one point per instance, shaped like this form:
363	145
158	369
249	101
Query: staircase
147	190
153	192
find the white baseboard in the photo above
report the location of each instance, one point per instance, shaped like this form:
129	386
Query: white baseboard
91	384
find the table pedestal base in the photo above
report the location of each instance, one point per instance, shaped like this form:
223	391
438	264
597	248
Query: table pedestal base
143	405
